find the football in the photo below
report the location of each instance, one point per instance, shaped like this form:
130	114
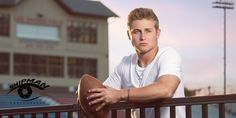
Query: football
89	82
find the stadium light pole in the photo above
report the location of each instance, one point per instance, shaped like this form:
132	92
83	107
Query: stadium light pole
224	4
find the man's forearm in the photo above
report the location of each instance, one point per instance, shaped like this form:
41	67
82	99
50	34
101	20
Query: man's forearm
164	88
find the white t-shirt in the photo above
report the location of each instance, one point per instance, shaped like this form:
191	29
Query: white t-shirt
128	75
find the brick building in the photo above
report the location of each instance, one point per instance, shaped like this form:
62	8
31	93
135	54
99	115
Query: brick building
55	41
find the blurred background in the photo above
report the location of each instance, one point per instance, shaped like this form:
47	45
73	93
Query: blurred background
51	42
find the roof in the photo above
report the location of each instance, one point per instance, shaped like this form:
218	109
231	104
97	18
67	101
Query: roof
9	2
86	7
81	7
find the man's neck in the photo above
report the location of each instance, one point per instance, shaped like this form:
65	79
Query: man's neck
146	58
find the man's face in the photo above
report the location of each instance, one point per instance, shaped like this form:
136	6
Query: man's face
143	35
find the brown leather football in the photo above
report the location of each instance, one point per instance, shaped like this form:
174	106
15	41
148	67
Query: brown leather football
88	82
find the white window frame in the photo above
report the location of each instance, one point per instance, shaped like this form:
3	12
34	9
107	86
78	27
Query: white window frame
37	32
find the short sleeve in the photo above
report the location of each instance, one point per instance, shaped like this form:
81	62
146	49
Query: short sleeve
114	79
170	63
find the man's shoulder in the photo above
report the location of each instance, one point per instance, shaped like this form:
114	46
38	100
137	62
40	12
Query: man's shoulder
163	49
167	50
169	55
129	57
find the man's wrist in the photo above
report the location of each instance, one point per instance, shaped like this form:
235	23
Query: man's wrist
128	95
124	96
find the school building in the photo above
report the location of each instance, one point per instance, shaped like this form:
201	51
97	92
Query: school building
54	41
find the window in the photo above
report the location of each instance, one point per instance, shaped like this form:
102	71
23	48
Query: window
4	63
55	66
29	31
39	65
22	64
79	66
4	24
82	32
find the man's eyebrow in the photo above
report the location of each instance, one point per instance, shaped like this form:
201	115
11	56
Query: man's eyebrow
135	30
148	28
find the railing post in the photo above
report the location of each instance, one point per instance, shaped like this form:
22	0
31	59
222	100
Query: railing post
69	114
57	115
45	115
22	115
188	111
33	115
221	110
204	111
172	112
157	111
128	113
142	112
114	113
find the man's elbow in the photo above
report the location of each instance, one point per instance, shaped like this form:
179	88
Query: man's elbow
168	93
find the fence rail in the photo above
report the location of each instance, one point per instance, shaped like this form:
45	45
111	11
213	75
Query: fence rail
73	110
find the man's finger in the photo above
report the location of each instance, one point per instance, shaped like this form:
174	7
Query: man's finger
95	95
100	106
95	90
99	100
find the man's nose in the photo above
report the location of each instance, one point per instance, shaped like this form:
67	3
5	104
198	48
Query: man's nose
142	36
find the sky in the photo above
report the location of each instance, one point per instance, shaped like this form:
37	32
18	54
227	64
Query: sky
193	28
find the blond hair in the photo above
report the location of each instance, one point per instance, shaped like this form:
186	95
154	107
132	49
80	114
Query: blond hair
142	13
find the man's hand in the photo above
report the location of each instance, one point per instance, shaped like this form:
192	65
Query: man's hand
104	96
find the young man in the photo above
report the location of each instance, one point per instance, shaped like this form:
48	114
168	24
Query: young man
149	74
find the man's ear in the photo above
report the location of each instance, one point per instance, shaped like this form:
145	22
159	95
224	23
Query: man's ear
159	30
128	35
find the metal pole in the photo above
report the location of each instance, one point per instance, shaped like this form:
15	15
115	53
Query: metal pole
224	5
224	51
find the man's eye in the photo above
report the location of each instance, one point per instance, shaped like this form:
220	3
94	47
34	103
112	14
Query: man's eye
25	91
135	32
148	30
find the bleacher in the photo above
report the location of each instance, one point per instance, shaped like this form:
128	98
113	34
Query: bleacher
14	101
